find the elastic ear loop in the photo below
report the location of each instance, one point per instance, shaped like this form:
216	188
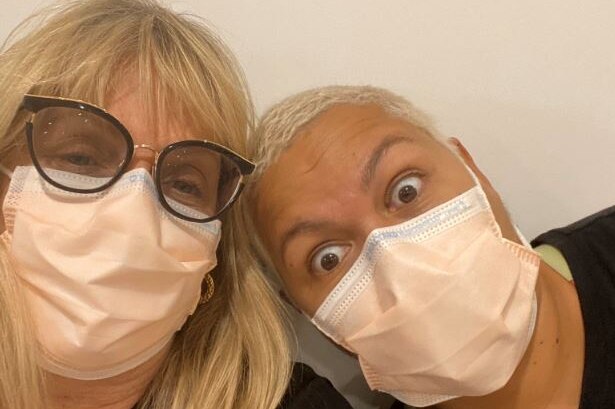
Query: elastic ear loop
534	307
209	292
7	172
524	241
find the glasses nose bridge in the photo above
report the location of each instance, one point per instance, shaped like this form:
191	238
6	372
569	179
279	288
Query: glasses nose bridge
149	148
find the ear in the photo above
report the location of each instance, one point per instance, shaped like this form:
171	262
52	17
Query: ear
500	212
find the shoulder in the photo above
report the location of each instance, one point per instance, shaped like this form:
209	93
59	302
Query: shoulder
586	244
588	247
601	223
308	390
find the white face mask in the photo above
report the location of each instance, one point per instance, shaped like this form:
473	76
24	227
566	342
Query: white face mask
109	276
437	307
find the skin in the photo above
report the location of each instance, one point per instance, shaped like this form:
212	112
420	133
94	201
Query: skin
351	163
124	390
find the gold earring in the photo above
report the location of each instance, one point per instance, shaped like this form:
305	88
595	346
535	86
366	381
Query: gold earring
209	292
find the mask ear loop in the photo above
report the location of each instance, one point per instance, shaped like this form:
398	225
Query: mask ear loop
7	172
524	241
454	149
473	176
478	185
483	197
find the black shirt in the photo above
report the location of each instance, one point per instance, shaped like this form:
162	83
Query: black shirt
589	249
307	390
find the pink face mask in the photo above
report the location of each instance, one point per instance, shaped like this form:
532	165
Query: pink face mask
110	276
437	307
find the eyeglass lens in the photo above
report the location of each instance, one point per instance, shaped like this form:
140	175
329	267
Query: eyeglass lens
81	150
69	141
197	182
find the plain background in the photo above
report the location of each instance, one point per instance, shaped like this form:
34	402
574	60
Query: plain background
528	86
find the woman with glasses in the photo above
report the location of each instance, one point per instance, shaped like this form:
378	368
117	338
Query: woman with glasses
122	127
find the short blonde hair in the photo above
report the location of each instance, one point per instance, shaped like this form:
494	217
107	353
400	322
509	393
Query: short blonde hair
283	121
232	352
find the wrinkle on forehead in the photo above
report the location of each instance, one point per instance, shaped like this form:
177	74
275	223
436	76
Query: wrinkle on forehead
325	143
322	143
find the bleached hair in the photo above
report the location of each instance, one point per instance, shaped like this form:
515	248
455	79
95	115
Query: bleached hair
285	120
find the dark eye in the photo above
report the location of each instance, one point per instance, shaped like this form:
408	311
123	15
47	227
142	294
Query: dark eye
74	153
186	188
80	160
328	258
404	191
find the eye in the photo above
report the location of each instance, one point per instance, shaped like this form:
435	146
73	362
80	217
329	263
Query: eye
328	258
186	188
75	153
404	191
80	160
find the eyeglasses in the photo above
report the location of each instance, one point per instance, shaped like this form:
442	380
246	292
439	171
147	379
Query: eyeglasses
79	147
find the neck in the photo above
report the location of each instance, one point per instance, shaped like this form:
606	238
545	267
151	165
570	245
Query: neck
550	374
119	392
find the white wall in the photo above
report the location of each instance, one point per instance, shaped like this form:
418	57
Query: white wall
527	85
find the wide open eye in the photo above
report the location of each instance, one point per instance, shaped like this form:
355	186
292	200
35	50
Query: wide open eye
404	191
328	258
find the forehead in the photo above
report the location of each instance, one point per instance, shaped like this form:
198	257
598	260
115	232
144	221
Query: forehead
325	158
153	125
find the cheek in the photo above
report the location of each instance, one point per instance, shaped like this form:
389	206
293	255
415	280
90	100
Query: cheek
308	292
296	285
293	288
303	296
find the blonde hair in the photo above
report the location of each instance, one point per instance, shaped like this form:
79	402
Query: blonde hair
232	352
285	120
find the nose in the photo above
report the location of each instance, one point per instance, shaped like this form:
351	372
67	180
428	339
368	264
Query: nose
370	221
369	224
144	156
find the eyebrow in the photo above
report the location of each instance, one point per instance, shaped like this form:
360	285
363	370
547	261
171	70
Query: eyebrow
367	175
369	169
301	227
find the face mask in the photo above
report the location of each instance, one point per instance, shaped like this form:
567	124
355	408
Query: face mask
109	276
437	307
